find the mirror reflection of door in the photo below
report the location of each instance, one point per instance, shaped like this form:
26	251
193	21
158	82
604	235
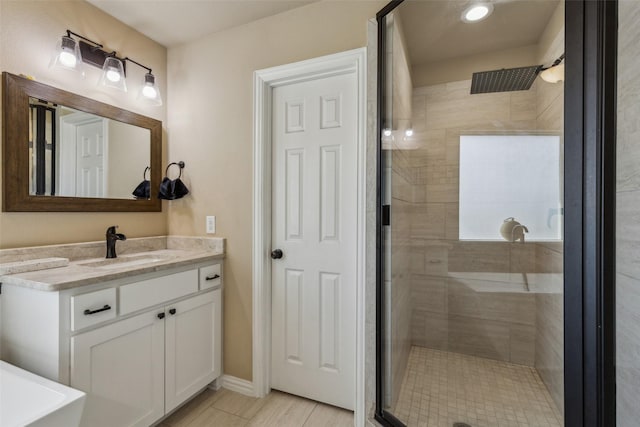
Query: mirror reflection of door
42	147
70	152
83	155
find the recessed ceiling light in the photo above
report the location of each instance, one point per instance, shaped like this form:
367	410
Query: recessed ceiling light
477	12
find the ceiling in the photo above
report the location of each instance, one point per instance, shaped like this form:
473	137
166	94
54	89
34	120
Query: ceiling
434	31
433	28
173	22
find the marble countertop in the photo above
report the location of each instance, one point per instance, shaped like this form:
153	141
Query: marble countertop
89	271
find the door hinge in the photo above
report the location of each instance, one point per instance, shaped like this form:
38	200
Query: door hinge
386	215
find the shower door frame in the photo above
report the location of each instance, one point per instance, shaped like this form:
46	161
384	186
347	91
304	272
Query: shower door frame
589	206
589	249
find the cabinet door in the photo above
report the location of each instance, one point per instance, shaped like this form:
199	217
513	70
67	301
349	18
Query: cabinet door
121	368
193	338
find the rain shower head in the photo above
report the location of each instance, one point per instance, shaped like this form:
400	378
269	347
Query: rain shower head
508	79
504	80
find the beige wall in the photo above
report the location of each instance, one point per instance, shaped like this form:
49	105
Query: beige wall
210	127
29	31
628	217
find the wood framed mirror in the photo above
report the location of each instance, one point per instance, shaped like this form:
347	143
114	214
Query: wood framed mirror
63	152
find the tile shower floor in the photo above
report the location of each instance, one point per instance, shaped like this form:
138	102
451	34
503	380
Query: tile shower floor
442	388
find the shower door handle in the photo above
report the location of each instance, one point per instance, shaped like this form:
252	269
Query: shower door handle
276	254
386	215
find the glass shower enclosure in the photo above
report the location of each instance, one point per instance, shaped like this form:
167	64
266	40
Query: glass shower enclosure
471	165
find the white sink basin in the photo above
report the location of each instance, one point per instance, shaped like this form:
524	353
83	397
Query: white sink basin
27	399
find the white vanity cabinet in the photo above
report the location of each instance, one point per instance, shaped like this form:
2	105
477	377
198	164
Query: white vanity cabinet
138	369
193	342
121	368
138	347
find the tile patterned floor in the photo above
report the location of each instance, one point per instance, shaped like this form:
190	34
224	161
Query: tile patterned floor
225	408
442	388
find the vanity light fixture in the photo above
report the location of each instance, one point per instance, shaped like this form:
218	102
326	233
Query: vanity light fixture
476	12
555	72
149	91
72	53
67	54
113	74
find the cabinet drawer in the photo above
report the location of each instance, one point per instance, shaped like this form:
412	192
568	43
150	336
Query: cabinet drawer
210	276
92	308
147	293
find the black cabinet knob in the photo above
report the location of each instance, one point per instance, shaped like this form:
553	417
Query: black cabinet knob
161	315
276	254
172	311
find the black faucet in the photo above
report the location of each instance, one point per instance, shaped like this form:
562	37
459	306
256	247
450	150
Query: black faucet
112	236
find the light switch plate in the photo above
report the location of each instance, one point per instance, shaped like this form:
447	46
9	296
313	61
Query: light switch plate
211	225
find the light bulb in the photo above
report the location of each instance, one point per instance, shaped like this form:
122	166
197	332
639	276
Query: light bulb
477	12
67	55
113	75
408	132
149	91
68	59
386	132
553	74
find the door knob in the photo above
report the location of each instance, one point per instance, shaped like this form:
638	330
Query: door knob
276	254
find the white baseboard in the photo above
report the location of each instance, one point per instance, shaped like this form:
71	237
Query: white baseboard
236	384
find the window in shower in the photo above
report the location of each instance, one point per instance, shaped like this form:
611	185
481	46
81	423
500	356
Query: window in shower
510	176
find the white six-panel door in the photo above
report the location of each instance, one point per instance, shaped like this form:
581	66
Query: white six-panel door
90	160
314	219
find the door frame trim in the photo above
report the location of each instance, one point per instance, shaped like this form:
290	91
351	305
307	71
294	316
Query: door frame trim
352	61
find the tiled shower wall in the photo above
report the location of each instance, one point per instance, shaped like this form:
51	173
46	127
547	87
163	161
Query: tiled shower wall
400	287
628	217
397	276
549	356
470	297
